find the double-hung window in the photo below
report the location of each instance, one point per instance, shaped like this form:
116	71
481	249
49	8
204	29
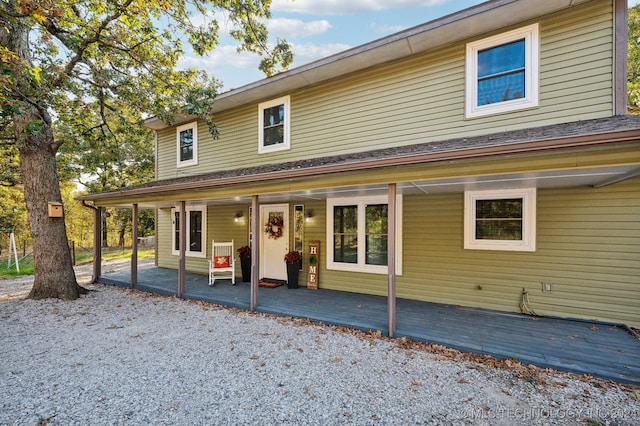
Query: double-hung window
500	220
187	145
196	221
273	125
357	234
502	72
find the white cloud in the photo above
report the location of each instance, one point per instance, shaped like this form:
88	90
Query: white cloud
198	18
227	56
340	7
386	29
291	28
236	69
307	52
222	56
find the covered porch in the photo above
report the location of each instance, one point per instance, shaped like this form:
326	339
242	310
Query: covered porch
600	349
584	265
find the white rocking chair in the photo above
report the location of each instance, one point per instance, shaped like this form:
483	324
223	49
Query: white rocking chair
222	263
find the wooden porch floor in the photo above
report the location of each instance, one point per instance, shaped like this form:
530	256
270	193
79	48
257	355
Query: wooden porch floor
602	350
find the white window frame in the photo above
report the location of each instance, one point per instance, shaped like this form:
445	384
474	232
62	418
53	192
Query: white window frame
194	160
188	209
286	101
528	242
532	64
361	266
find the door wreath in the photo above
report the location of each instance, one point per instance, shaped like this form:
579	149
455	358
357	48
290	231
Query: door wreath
274	227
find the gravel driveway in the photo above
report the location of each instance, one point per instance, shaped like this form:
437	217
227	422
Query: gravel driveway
120	357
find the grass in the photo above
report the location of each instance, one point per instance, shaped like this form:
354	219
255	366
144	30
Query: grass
82	257
111	253
26	268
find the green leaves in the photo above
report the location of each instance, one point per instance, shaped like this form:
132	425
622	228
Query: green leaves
281	55
204	38
9	173
633	60
86	51
12	212
103	150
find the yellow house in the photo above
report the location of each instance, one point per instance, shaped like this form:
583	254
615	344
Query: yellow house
464	161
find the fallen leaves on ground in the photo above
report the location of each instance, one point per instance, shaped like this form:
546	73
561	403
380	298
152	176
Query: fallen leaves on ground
527	372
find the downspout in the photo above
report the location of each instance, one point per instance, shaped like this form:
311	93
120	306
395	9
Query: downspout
97	241
155	211
155	154
620	47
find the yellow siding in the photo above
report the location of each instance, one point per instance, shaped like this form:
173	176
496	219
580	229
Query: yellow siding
588	249
340	280
163	240
220	225
588	240
419	99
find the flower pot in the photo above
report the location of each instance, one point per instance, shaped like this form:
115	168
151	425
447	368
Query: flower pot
245	266
293	270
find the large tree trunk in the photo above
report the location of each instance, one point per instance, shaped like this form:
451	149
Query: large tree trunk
105	242
121	232
53	269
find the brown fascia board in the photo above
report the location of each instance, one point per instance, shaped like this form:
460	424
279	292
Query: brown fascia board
196	183
480	19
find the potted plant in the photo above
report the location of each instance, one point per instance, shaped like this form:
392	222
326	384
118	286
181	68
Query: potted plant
293	259
244	253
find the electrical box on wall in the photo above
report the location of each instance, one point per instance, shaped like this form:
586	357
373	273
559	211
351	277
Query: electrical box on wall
55	209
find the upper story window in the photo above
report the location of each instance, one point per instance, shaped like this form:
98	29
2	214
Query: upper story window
357	229
187	144
500	220
273	125
502	72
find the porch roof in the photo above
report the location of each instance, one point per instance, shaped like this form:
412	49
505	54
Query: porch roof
551	138
479	19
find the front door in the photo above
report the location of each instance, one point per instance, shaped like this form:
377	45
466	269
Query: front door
274	240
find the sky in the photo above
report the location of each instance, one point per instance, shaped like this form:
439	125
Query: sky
319	28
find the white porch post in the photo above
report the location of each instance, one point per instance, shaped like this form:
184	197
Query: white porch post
134	245
391	258
182	248
255	251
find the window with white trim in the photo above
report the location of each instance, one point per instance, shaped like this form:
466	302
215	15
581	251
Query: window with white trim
500	220
274	125
502	72
196	231
187	145
357	234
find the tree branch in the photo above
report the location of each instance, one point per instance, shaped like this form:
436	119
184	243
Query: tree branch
81	49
